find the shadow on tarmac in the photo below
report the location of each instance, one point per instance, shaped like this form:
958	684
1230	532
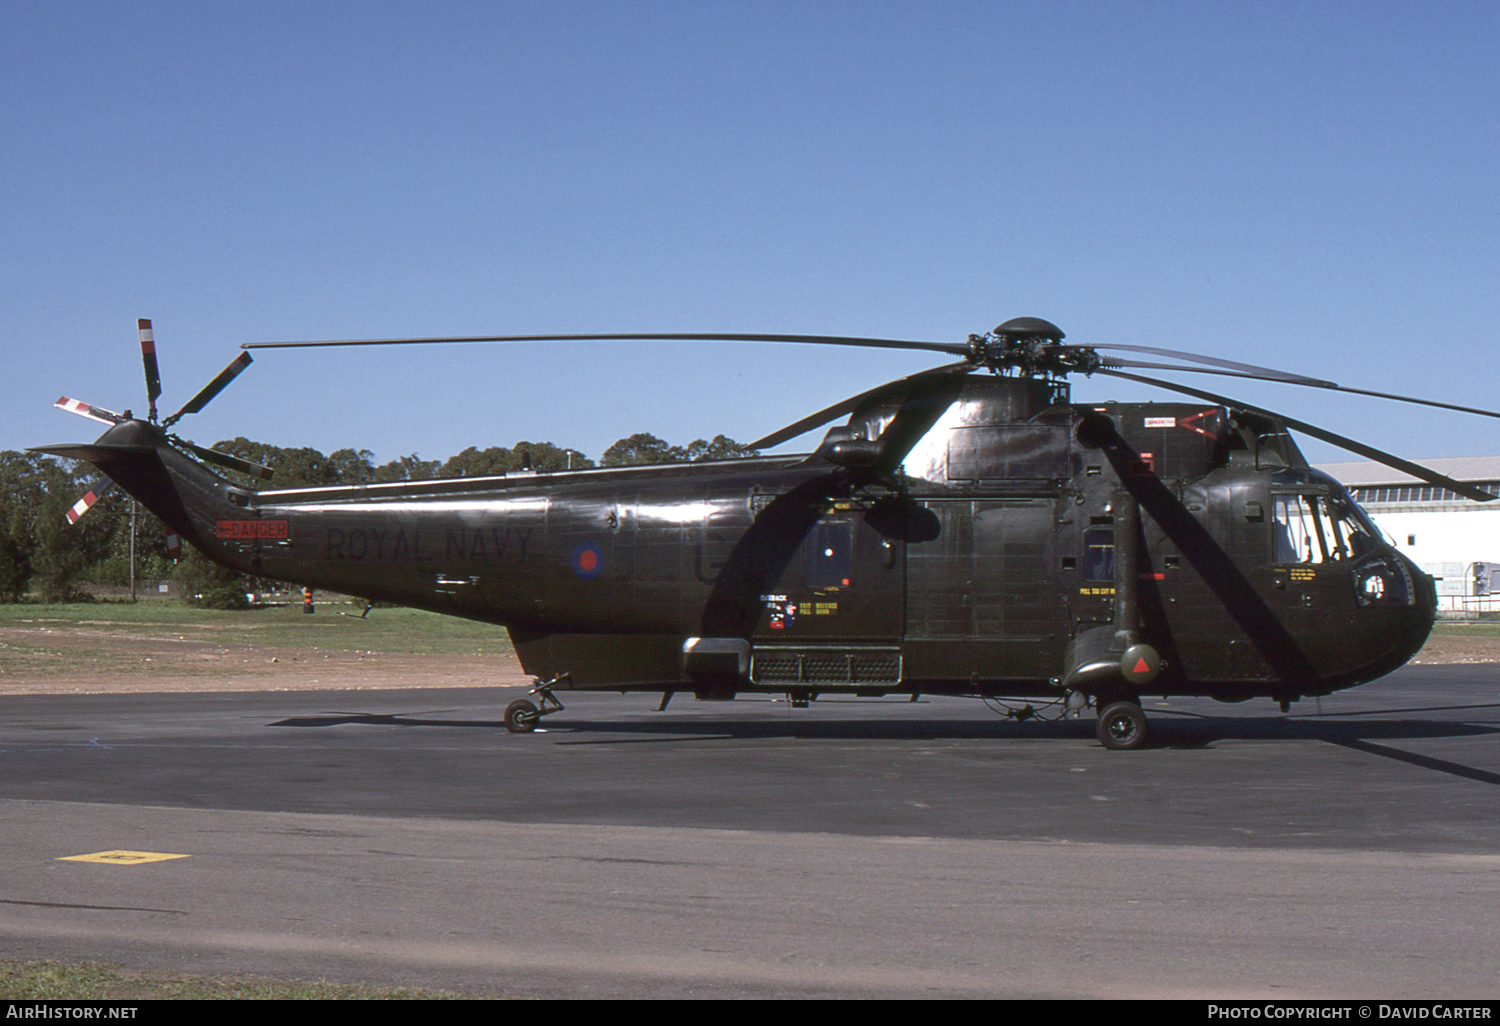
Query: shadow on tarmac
1170	728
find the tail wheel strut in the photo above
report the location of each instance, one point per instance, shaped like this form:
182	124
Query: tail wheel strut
523	715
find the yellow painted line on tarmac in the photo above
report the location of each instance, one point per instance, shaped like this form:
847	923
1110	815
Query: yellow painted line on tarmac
122	858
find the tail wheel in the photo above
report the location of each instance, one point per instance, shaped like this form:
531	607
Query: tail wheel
521	716
1122	726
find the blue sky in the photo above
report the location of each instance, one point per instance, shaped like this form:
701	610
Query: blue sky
1309	186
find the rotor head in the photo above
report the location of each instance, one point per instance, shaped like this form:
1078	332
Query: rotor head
1032	347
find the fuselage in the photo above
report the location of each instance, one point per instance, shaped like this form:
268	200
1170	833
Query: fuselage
1013	530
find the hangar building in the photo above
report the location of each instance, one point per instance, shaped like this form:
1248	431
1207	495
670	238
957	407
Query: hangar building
1454	539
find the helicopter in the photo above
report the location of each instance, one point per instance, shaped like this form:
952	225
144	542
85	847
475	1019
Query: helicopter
968	530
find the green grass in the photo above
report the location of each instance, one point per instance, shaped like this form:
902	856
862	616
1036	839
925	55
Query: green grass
1467	628
88	981
333	626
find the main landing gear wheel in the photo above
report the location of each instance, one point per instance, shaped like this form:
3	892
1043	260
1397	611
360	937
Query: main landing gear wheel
521	716
1122	726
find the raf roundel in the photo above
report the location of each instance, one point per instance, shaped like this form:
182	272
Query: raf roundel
588	561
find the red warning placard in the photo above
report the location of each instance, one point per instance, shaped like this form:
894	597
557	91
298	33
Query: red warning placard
240	529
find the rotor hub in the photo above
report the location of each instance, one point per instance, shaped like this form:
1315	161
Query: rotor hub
1029	327
1032	347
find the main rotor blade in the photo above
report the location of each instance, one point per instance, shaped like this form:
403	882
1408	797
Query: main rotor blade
847	406
211	389
1368	451
1412	399
829	340
1276	376
1263	374
83	409
148	358
1247	369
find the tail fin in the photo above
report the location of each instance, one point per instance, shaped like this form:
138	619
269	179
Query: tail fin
187	497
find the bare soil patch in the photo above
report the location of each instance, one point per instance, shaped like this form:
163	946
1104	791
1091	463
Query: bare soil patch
1458	645
58	661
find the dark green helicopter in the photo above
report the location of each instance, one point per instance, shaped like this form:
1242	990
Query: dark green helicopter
963	533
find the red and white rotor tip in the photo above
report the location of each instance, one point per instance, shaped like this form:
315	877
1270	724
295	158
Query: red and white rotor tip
86	503
148	359
83	409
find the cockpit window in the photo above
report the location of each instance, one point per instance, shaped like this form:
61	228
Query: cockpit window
1319	529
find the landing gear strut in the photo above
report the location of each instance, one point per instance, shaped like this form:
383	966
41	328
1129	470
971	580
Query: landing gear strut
1122	725
522	715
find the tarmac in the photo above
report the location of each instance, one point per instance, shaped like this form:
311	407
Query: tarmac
856	848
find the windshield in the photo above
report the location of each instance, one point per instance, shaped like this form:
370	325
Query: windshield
1319	528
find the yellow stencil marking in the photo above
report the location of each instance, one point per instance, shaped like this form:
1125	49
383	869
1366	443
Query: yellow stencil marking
122	858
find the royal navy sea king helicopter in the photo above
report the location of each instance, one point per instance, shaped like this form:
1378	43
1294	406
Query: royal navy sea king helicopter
969	530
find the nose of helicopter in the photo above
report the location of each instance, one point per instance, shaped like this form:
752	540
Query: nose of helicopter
1398	604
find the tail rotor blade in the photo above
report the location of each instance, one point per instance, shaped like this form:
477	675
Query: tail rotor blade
211	389
83	409
148	358
100	487
223	459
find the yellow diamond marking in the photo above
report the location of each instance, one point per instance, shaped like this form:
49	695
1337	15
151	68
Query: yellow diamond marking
122	858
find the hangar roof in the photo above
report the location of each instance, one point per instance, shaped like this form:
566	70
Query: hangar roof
1363	473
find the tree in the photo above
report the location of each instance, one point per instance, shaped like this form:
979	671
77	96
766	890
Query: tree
407	468
37	544
546	456
304	467
207	584
18	497
495	460
474	462
641	448
646	448
351	467
721	448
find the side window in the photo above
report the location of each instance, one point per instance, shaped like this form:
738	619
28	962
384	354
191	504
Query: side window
829	554
1099	554
1293	532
